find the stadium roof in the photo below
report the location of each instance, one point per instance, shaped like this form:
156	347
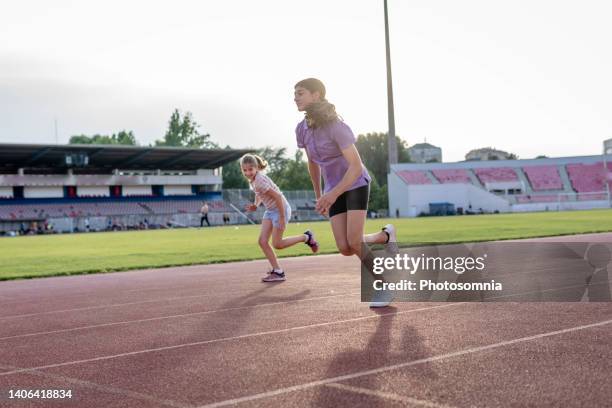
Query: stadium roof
105	158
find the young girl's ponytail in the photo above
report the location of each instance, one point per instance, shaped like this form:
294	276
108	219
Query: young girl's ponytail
253	160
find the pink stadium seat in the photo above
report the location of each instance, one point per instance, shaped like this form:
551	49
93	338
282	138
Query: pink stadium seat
587	177
496	174
452	176
31	211
414	177
543	177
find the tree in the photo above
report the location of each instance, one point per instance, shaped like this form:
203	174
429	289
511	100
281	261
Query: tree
183	132
512	156
379	199
373	150
276	158
125	138
121	138
232	176
293	175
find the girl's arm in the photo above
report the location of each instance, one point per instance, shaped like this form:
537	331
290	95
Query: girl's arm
255	205
352	173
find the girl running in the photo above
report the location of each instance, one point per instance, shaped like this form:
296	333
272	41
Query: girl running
275	218
331	151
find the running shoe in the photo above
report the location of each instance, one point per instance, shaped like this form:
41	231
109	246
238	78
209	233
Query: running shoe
391	233
274	276
311	242
381	298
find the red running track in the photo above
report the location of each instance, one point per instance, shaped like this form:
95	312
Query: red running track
207	336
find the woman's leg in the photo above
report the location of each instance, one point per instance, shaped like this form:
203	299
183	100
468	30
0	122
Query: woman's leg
355	224
338	224
379	237
264	237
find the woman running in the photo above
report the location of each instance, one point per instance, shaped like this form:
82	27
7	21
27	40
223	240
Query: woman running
330	148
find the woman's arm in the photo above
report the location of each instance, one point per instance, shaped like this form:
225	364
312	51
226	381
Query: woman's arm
352	173
315	176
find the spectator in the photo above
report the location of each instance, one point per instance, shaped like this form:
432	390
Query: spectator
204	213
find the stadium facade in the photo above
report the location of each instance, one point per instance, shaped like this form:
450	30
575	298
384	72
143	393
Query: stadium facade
97	187
548	184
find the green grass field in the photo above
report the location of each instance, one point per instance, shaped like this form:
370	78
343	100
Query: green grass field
37	256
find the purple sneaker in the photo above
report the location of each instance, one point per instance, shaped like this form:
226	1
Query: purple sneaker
311	241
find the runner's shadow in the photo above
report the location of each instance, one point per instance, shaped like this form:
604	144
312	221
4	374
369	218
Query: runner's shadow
380	351
238	312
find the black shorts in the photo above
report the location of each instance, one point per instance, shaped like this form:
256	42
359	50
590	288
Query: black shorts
356	199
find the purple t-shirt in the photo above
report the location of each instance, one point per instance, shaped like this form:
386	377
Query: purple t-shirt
324	146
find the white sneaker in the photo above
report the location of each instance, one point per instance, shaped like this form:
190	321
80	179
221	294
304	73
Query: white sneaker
390	229
381	298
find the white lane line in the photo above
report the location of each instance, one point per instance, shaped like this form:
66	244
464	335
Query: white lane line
585	286
105	388
141	302
244	336
387	395
396	366
152	319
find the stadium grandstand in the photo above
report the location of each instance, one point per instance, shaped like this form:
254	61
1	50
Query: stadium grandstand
547	184
66	188
83	188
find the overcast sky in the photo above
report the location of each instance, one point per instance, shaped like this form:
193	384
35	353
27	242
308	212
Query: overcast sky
530	77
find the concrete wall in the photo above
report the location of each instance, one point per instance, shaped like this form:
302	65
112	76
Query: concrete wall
170	190
6	191
137	190
92	191
43	192
411	200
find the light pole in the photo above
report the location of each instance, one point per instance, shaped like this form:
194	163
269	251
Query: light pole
391	142
607	146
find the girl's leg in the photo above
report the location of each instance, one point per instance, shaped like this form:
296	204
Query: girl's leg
264	237
278	242
338	224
